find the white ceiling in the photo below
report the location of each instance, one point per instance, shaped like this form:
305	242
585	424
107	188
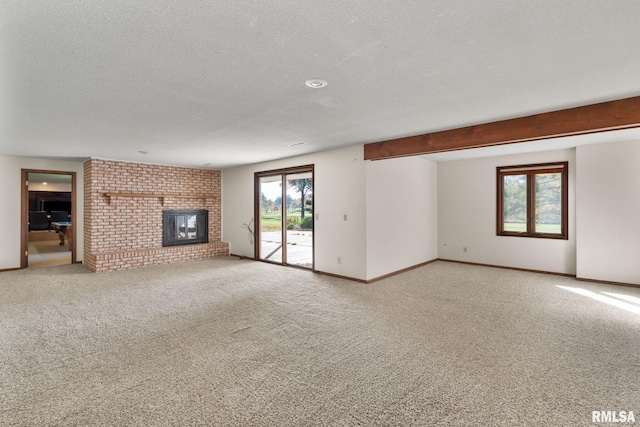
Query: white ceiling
221	83
49	178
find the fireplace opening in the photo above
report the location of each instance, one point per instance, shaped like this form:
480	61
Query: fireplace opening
185	227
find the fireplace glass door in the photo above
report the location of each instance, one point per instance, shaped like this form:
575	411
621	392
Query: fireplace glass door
185	227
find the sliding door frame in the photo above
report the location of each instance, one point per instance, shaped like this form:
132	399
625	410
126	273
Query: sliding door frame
257	214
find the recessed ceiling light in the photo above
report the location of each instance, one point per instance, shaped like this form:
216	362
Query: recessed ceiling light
44	183
316	83
296	143
143	152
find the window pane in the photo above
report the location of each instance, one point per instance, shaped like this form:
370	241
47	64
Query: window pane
548	203
514	190
270	225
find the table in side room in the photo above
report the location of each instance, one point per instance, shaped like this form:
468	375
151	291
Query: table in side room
64	230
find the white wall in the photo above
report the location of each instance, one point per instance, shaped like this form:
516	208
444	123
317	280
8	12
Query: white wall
467	216
339	184
10	184
608	212
401	214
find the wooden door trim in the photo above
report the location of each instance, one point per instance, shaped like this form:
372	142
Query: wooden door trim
24	207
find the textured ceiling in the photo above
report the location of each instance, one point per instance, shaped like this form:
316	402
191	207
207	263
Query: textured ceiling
221	83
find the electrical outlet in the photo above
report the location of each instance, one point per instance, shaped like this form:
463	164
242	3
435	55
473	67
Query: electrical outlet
464	249
339	260
317	216
345	217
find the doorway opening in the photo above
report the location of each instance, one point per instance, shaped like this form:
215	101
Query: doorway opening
284	209
48	216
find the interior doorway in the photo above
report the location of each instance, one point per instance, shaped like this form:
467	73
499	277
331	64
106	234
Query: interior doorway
48	215
284	209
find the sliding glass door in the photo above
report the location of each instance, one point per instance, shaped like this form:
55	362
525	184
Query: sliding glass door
284	208
270	219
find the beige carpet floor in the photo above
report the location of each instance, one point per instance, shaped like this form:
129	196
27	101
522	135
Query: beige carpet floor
45	250
230	342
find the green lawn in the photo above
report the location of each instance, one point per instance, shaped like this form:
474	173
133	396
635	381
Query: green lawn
273	221
520	227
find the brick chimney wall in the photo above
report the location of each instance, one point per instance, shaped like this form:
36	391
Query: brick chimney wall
124	232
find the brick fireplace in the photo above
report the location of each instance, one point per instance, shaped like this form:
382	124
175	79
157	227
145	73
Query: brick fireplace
124	204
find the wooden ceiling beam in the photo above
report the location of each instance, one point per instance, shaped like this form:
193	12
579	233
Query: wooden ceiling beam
602	117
